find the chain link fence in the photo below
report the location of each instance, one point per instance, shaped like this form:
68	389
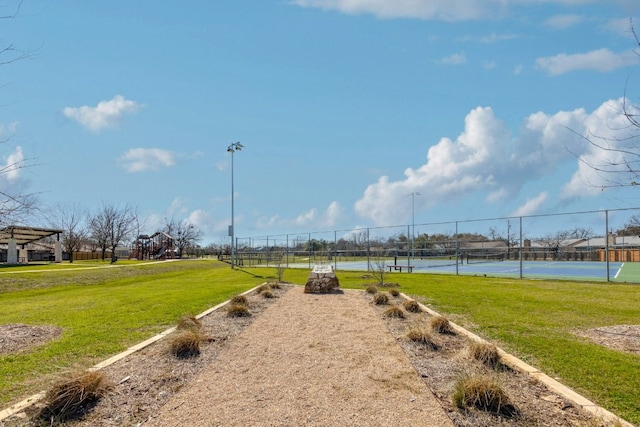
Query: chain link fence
570	237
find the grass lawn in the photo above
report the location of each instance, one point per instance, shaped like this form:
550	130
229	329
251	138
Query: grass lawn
535	320
103	311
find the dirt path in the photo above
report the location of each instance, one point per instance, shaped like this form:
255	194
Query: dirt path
314	360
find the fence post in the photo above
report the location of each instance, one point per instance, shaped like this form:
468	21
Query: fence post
457	249
520	252
606	241
309	247
408	247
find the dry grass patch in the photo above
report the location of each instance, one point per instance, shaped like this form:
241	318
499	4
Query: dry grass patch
381	298
484	393
186	344
422	335
238	310
72	397
394	292
267	294
239	299
441	325
275	285
263	288
189	323
371	289
394	312
412	306
485	353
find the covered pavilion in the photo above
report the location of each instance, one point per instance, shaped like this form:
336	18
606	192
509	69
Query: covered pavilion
16	237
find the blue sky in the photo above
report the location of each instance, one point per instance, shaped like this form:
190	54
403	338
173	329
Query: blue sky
344	107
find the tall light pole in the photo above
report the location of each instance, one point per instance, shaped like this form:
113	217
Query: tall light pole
413	222
236	146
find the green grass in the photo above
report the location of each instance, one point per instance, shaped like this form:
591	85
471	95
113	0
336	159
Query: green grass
102	312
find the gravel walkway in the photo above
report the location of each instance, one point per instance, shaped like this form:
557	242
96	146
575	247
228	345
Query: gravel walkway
313	360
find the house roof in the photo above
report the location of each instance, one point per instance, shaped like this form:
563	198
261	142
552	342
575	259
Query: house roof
23	235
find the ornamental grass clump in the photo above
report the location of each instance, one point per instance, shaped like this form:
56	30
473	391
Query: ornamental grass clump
263	288
189	323
72	397
238	310
394	312
394	292
420	334
441	325
239	299
186	344
412	306
484	393
485	353
372	289
381	298
275	285
267	294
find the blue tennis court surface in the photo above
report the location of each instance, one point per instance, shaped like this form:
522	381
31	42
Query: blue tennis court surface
574	270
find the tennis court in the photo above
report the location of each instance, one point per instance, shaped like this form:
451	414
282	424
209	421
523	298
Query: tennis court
567	270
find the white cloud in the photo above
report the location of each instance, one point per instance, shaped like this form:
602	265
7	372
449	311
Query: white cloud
203	221
564	21
517	70
621	26
104	115
311	218
489	65
332	215
531	206
306	218
455	59
486	159
144	159
10	170
605	127
445	10
7	131
601	60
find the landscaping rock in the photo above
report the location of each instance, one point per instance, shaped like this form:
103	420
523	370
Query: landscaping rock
322	279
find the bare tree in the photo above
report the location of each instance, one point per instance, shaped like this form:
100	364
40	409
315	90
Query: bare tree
14	204
111	226
70	219
631	227
185	235
618	164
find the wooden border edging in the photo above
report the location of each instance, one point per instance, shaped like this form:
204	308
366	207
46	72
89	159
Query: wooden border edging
553	385
32	400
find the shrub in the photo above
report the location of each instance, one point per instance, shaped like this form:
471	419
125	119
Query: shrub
238	310
485	353
372	289
422	335
275	285
263	288
441	325
381	298
186	344
72	397
239	299
189	323
485	393
412	306
394	312
394	292
268	294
